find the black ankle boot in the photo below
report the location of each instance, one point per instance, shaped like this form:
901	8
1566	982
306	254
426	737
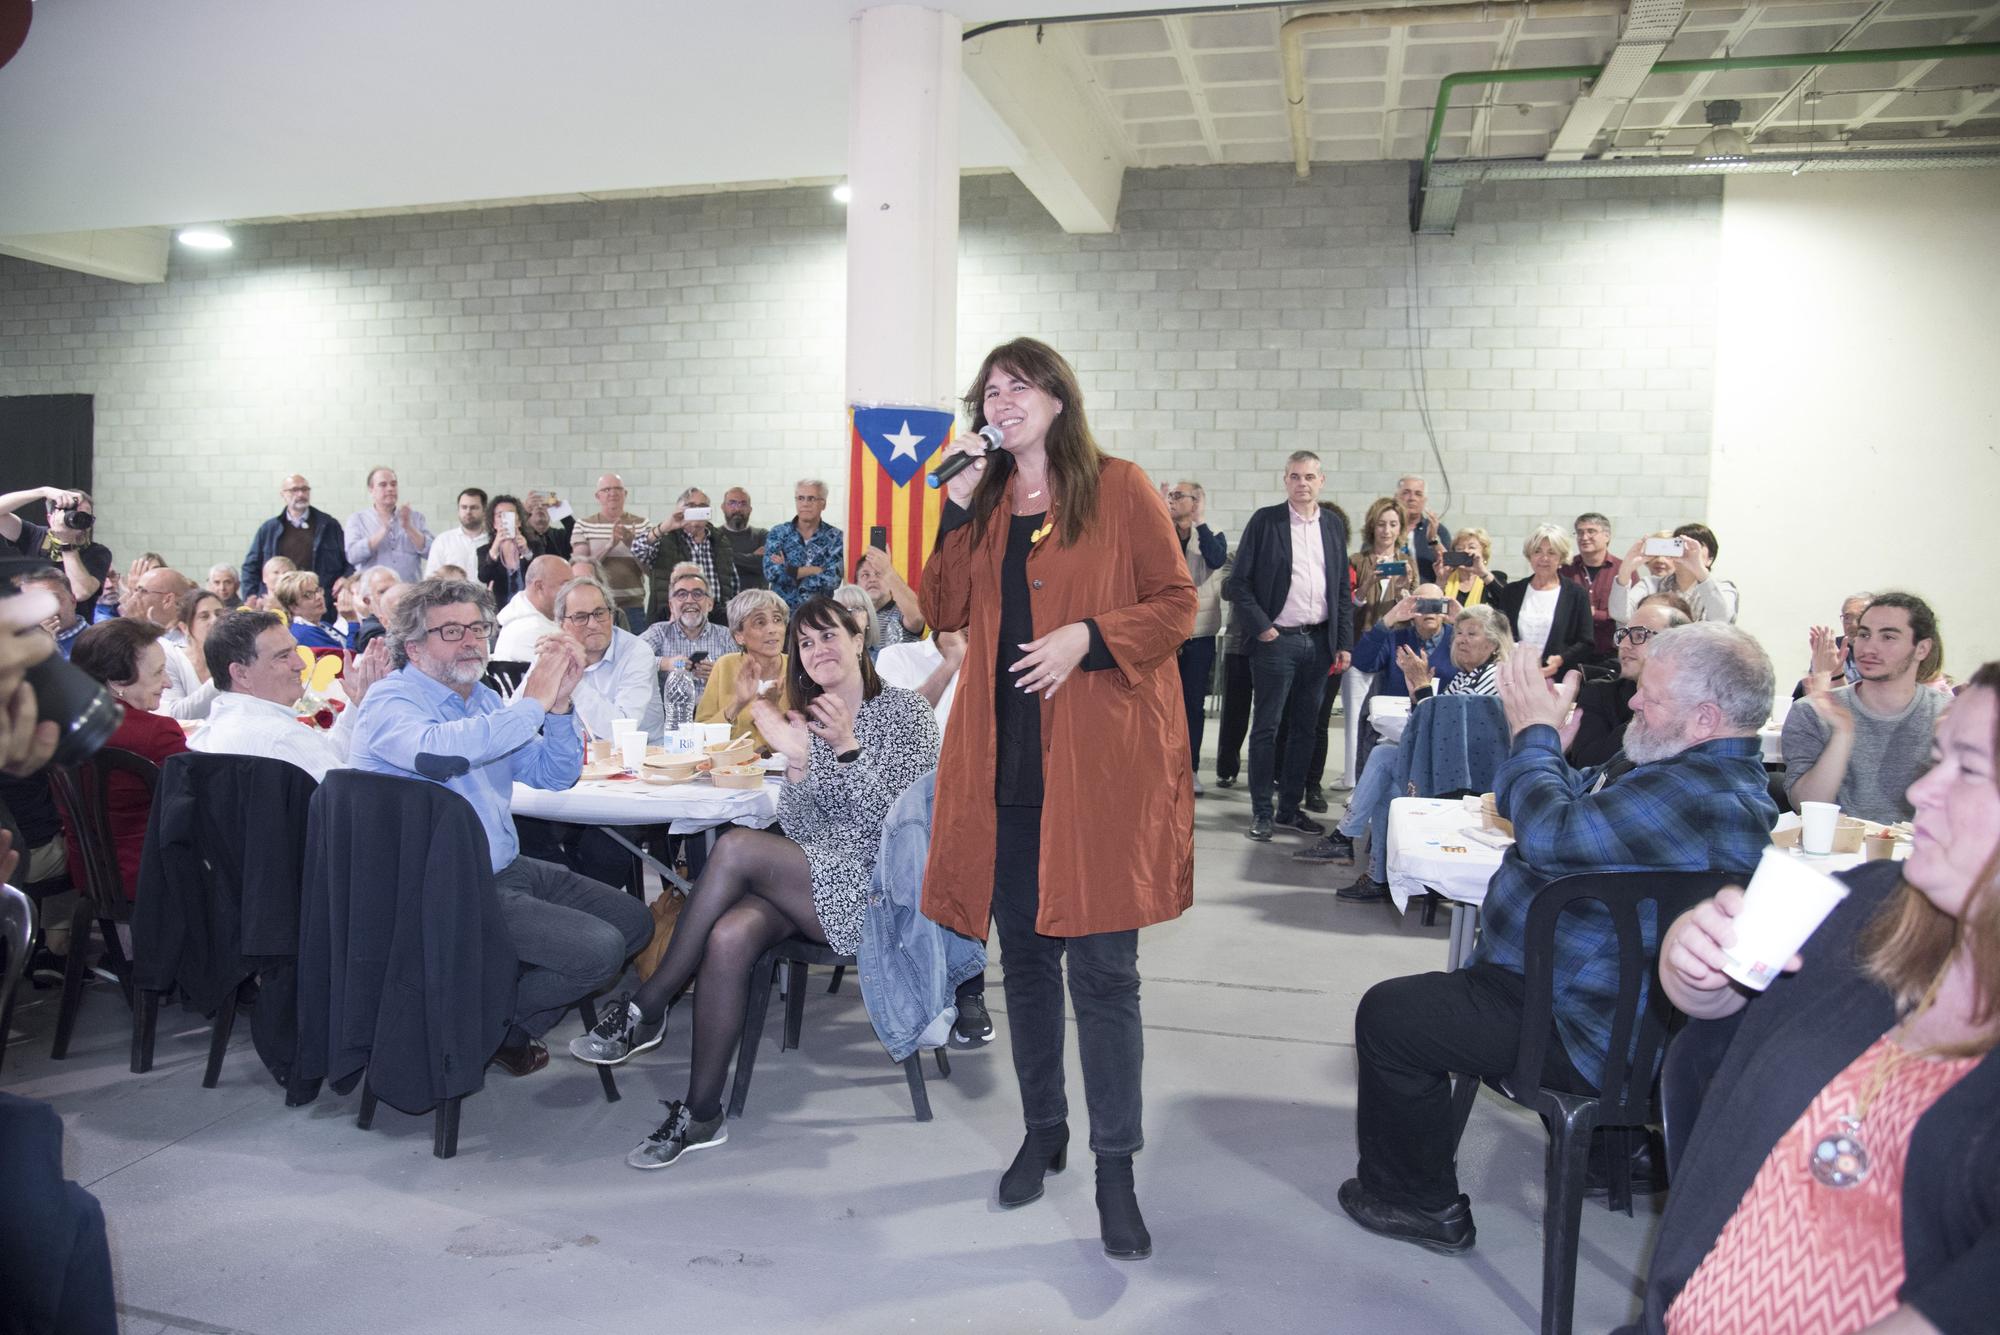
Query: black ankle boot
1043	1151
1118	1217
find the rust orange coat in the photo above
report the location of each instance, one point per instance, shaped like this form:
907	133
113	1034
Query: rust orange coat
1118	798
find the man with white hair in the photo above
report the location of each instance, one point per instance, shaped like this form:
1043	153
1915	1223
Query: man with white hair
224	584
606	538
1428	534
1686	794
686	645
372	596
802	556
688	535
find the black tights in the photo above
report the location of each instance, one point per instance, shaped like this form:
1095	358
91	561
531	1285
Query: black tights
755	892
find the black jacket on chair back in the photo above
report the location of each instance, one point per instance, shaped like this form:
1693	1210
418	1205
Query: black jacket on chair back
219	889
405	965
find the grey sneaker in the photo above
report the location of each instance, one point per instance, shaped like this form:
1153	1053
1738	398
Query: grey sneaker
620	1035
679	1134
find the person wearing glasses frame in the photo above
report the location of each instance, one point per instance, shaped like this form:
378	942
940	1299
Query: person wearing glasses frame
804	556
434	719
620	677
1596	728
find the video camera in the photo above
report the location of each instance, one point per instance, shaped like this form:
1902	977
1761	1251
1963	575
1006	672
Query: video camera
84	709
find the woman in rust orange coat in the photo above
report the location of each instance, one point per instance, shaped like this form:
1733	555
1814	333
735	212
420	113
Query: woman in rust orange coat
1064	805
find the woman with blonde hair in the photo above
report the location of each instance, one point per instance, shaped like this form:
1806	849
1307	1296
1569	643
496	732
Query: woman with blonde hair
1841	1174
1472	584
1549	615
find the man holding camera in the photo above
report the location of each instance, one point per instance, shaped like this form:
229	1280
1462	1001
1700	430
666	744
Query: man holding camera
1417	622
64	542
687	536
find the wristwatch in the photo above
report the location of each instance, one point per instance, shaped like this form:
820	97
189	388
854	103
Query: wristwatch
849	757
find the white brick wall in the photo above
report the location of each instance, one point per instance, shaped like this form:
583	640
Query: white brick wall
1566	340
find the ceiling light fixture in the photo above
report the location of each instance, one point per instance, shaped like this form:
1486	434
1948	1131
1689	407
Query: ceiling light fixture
842	193
1723	142
204	238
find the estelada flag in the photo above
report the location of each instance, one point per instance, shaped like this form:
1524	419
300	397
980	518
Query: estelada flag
890	447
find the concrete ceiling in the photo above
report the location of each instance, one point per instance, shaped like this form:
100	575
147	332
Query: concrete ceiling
141	114
134	113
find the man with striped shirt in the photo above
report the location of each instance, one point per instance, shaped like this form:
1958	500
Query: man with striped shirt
606	538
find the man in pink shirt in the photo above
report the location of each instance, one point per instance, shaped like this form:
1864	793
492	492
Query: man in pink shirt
1289	590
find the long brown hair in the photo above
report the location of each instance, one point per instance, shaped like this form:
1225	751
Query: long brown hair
821	613
1074	459
1910	938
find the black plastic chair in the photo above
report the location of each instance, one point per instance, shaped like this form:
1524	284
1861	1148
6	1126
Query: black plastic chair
17	932
1692	1060
1638	1035
796	954
82	796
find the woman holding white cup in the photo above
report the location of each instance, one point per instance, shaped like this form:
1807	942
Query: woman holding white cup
1849	1130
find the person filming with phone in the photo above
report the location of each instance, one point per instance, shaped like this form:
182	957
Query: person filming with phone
1681	562
687	536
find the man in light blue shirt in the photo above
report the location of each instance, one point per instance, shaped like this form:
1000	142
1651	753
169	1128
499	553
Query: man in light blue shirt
432	719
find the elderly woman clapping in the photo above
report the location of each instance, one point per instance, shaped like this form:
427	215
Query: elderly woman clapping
1479	643
757	620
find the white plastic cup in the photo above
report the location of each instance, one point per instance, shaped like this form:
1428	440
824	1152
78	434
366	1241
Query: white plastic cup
1785	903
632	749
716	734
1820	820
621	726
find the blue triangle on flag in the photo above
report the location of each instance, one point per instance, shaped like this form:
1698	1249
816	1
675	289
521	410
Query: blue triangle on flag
903	439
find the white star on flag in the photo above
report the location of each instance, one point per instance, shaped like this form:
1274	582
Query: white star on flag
906	442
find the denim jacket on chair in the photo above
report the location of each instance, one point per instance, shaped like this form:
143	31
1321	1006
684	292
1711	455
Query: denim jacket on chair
910	966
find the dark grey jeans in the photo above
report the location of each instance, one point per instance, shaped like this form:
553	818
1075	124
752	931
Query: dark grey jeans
1289	676
1103	987
572	934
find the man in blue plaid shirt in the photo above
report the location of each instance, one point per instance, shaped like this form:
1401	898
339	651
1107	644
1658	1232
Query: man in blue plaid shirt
1687	793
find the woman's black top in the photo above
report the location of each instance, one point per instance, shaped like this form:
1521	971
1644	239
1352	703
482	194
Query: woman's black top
1017	715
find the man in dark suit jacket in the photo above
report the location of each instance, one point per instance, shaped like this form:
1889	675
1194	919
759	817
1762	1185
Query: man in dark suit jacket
310	536
1295	633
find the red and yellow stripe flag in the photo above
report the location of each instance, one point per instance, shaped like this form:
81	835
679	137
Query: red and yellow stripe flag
888	496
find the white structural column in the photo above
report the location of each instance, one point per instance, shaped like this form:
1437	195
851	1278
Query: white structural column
902	222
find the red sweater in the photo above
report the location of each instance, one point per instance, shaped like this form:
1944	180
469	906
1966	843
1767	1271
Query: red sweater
155	737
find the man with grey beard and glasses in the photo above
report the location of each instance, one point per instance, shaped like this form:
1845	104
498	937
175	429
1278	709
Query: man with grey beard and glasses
433	719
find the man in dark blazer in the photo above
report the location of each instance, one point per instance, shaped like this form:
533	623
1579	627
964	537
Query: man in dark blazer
310	536
1296	631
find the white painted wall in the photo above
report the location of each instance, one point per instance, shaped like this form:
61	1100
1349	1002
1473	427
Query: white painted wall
1857	423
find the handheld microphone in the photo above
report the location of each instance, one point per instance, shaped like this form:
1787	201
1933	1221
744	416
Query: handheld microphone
958	463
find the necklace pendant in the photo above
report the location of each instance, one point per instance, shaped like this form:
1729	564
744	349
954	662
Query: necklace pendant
1840	1160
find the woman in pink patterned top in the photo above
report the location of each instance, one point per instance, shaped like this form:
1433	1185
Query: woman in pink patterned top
1844	1172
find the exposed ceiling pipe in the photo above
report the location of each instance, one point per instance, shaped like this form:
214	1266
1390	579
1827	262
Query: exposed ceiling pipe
1292	48
1294	29
1436	210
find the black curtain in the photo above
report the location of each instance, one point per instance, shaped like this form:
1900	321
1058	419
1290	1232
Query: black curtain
45	441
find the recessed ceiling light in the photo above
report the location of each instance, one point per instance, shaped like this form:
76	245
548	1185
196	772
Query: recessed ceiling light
843	193
205	238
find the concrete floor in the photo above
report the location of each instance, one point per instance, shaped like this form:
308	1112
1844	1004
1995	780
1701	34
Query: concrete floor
830	1208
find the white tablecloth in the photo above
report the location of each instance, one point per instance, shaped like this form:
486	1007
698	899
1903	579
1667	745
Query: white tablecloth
1429	850
685	808
1389	715
1769	737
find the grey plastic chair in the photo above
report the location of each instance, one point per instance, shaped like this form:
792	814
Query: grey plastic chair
17	931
